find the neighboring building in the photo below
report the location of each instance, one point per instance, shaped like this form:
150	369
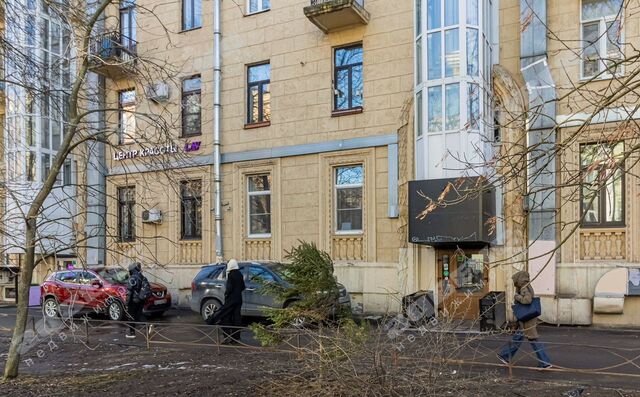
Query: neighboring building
38	58
314	131
498	77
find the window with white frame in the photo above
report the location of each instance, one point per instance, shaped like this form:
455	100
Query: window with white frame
259	205
349	182
601	37
254	6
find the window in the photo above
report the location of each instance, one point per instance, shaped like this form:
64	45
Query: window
127	116
260	276
126	213
601	37
258	94
191	14
348	198
128	24
254	6
348	83
602	192
191	210
67	277
191	110
66	173
259	205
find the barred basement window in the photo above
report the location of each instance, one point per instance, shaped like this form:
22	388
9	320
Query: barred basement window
126	213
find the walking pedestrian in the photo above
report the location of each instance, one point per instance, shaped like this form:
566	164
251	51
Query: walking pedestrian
230	314
528	329
138	291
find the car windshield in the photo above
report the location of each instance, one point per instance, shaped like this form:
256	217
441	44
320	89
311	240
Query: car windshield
281	270
114	275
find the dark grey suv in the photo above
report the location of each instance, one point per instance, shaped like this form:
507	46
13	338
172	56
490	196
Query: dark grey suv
207	288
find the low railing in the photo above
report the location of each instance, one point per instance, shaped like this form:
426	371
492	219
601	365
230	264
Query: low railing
316	2
113	45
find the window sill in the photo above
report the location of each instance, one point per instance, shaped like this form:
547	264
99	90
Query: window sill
187	136
189	30
190	239
259	236
347	112
603	226
124	242
257	125
248	14
348	233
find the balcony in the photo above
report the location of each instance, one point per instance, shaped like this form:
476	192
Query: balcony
112	55
332	15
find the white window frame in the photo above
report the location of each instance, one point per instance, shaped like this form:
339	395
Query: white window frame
335	199
602	45
253	194
261	7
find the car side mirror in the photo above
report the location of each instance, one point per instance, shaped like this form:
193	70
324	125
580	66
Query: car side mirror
96	283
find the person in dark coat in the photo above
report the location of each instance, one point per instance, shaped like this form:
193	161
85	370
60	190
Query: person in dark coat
231	312
524	295
134	304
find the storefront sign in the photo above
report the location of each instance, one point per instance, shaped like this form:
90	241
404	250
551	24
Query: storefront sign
154	151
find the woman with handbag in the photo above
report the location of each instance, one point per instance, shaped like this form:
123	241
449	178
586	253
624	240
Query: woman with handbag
526	309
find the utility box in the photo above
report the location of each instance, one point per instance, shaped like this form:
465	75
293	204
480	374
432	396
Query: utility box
493	311
418	306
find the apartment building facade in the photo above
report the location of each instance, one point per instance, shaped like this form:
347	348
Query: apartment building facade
519	131
314	132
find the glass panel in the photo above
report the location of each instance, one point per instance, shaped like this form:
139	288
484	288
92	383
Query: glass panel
419	61
45	166
67	172
613	195
260	224
353	175
434	56
266	102
451	11
472	52
259	183
197	13
348	56
592	9
452	53
254	109
472	12
418	17
259	73
349	209
590	200
342	89
253	5
434	109
356	88
452	109
433	14
590	58
31	166
266	4
614	50
55	38
419	114
55	134
473	106
187	12
260	214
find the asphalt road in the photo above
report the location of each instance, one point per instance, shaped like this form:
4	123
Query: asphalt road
599	357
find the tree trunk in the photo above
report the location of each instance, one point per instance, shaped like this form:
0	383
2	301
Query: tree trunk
22	311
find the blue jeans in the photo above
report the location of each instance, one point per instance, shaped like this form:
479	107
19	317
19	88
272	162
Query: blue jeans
510	350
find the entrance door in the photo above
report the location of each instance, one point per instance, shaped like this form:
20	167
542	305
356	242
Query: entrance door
463	280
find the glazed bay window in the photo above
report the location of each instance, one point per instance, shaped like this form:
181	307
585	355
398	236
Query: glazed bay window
191	108
259	205
601	37
349	182
258	94
254	6
191	210
348	84
127	116
126	214
602	192
191	14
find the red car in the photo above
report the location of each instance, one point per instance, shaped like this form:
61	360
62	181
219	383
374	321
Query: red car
103	290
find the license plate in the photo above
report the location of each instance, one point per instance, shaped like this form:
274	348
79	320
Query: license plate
160	302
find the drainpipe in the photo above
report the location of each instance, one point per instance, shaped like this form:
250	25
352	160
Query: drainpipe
217	175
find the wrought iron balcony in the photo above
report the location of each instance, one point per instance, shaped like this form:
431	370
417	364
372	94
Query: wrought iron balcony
112	55
332	15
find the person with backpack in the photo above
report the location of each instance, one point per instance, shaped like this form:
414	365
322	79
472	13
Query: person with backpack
231	312
524	296
138	291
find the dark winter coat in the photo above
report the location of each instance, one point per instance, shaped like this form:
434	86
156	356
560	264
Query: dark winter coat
524	295
133	285
234	288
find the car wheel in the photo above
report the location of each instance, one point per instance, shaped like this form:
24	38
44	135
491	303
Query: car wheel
209	307
115	311
50	308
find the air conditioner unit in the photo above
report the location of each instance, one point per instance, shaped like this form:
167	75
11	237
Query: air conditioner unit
152	216
158	92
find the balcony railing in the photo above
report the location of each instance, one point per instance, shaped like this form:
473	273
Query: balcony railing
332	15
113	54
